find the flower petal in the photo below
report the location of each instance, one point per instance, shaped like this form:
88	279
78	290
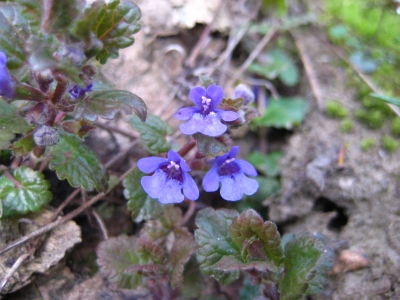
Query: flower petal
215	93
184	166
246	167
190	189
234	151
248	185
195	95
171	192
209	125
185	113
153	185
227	115
150	164
172	155
211	180
230	190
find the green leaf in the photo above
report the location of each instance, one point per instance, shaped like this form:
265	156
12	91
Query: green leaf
248	290
206	81
150	250
388	99
139	203
14	31
115	28
152	133
28	193
106	104
248	227
208	145
114	255
285	113
193	280
59	16
5	138
80	166
23	146
268	164
215	242
279	5
41	50
183	247
307	261
10	121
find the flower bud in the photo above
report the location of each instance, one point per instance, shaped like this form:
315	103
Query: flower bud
242	91
46	136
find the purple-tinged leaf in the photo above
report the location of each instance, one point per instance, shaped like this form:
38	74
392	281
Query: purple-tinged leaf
106	104
80	128
183	247
59	16
209	145
307	262
146	270
248	227
139	203
27	193
152	133
171	216
150	250
74	161
215	242
114	255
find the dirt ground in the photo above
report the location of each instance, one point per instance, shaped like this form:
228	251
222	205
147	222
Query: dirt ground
353	203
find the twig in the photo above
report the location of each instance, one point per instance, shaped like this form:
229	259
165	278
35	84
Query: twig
189	212
101	224
198	47
257	50
117	130
312	76
15	266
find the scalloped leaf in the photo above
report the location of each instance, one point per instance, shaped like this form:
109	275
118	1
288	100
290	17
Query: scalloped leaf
140	204
209	145
28	193
59	16
106	104
283	113
10	122
215	242
307	261
80	166
150	250
183	247
106	28
170	217
14	31
114	255
23	146
249	227
268	164
152	133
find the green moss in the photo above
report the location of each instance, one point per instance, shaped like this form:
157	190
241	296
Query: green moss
395	128
346	125
373	119
389	144
367	144
336	110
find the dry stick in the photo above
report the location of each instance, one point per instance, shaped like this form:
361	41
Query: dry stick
198	47
15	266
257	50
312	76
117	130
101	223
189	212
64	219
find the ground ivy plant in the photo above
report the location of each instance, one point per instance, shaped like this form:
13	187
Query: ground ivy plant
50	99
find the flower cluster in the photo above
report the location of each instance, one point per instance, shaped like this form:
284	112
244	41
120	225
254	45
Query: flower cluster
78	92
7	85
170	175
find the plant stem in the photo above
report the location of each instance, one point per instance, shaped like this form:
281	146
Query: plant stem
59	92
185	149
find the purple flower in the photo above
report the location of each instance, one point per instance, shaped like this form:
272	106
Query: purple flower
7	85
169	178
78	92
205	117
242	91
231	173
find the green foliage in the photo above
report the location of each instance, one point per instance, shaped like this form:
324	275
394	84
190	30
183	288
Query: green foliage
10	121
395	127
28	192
388	99
346	126
152	133
283	113
372	118
208	144
139	203
106	104
268	164
280	6
367	144
80	166
248	290
389	144
23	146
307	261
279	65
335	110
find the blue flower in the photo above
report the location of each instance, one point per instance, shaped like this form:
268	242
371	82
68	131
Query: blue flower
78	92
205	117
242	91
7	85
231	173
169	178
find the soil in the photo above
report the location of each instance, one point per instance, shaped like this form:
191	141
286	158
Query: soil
329	185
